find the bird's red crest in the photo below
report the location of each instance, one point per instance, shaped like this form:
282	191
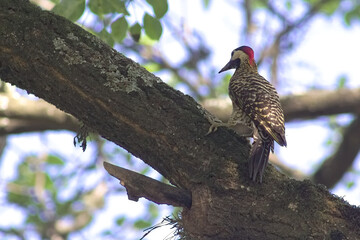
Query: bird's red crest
249	52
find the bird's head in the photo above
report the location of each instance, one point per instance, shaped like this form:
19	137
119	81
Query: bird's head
243	55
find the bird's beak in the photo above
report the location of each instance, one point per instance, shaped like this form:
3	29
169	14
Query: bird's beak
230	65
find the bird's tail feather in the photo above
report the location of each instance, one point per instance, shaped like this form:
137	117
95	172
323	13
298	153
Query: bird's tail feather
259	156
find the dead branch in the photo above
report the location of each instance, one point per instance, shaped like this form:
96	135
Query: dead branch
138	185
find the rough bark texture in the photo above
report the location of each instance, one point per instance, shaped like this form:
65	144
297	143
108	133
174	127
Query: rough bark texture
70	68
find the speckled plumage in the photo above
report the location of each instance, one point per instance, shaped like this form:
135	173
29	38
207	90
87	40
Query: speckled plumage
258	99
256	104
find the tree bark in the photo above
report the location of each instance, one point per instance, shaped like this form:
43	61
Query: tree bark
58	61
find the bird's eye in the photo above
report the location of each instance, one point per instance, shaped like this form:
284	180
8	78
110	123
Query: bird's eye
232	53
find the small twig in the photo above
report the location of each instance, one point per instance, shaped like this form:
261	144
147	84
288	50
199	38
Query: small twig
138	185
275	11
304	19
281	41
167	221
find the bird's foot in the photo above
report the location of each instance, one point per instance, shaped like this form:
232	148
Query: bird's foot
214	126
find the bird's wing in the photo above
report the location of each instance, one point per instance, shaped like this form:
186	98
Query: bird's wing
261	102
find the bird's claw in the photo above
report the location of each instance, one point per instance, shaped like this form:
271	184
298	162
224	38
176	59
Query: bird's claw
212	128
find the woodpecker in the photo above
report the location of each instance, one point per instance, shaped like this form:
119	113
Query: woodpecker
256	105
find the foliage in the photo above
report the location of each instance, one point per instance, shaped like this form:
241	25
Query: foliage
60	197
38	192
115	13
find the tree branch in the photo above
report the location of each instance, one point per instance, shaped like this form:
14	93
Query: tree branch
309	105
138	186
321	102
283	39
111	94
333	168
20	114
290	27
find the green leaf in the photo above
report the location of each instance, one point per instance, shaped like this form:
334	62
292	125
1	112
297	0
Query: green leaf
54	160
63	208
106	233
135	32
160	7
351	15
141	224
101	7
329	142
121	8
312	2
152	67
348	17
106	37
26	175
145	170
153	210
34	218
19	199
49	184
129	159
70	9
152	27
350	184
120	221
288	5
146	40
341	82
206	3
330	7
258	4
119	29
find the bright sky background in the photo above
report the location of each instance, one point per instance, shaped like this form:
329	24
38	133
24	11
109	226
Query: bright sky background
331	49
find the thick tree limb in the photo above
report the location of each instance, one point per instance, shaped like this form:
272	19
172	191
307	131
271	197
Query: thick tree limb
138	185
333	168
321	102
309	105
79	74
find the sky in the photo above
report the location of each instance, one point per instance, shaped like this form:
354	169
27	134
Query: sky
330	47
